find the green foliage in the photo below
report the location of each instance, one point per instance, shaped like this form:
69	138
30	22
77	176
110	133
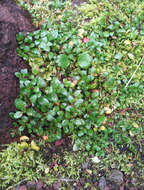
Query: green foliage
79	74
18	165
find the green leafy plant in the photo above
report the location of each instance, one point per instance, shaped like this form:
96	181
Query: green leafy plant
78	85
18	165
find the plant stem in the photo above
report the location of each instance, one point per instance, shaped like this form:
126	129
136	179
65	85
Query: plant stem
134	72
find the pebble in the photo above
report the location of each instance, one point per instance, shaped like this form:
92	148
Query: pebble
102	183
39	185
31	185
116	176
23	187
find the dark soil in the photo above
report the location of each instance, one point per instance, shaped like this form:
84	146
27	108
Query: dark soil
13	19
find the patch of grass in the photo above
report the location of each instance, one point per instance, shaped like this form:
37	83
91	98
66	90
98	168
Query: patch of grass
19	165
81	65
66	168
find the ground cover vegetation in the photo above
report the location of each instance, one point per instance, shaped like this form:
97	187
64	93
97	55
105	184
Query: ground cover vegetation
78	84
81	82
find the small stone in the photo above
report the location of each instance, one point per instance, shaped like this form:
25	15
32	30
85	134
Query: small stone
31	185
56	186
102	183
39	185
116	176
23	187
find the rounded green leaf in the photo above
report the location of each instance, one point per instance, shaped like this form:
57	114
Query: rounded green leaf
20	104
63	61
84	60
18	114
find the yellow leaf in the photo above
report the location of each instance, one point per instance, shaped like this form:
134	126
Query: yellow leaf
127	42
135	125
107	110
55	168
95	129
34	146
89	171
24	138
131	134
23	145
102	128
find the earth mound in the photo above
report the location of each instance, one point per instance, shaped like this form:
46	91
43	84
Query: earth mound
13	19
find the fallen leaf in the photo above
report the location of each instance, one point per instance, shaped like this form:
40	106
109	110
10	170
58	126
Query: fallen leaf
59	142
127	42
107	110
34	146
47	170
57	103
24	138
102	128
131	134
89	171
45	138
135	125
95	160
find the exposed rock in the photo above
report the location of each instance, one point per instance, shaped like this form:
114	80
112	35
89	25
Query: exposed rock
102	183
31	185
116	176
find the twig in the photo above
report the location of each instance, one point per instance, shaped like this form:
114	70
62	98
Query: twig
61	179
134	72
66	180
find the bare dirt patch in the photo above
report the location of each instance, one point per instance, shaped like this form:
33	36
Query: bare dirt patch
13	19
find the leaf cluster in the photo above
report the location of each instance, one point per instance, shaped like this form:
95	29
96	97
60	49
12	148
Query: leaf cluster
77	87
